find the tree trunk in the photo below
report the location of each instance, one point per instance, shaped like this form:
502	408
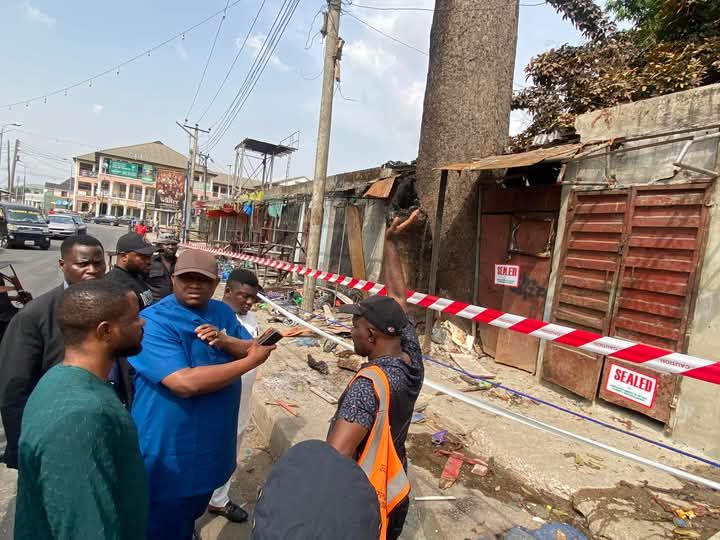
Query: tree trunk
466	115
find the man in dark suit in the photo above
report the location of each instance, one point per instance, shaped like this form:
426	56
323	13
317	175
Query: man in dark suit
33	342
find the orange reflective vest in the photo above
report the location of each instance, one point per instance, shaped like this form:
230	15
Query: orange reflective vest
379	459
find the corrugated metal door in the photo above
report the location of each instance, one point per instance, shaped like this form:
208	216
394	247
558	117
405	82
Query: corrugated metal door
590	266
664	246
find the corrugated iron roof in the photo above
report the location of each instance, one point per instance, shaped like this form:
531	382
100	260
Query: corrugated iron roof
524	159
381	188
154	152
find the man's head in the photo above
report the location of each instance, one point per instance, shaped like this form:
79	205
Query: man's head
101	315
315	492
195	278
241	290
134	253
378	321
82	258
168	246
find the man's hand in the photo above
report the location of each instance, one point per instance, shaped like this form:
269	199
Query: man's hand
259	353
211	335
398	227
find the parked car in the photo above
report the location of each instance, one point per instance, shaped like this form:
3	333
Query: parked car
125	220
22	225
64	225
106	220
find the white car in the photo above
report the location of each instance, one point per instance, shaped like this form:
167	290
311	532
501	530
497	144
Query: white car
64	225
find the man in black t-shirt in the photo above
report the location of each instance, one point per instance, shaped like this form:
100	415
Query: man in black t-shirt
133	264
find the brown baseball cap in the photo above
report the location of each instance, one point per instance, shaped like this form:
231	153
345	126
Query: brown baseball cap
198	262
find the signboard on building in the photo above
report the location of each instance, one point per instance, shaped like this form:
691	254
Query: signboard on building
632	385
169	188
123	168
507	275
148	174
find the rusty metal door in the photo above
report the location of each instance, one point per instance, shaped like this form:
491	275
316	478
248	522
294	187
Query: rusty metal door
590	265
657	284
531	242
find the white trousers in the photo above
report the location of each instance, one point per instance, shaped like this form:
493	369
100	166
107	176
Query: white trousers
221	496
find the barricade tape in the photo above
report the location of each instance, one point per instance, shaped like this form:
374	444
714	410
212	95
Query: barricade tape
648	356
517	417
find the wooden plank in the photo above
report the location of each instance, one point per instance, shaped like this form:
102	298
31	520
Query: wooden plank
353	225
591	261
601	208
584	225
670	199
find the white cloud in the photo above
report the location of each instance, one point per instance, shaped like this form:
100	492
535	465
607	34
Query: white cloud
180	50
255	43
369	57
34	14
519	120
97	109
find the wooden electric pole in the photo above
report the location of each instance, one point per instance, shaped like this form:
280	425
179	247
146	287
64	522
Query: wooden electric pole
323	147
187	200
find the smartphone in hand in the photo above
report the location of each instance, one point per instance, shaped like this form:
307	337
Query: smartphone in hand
269	337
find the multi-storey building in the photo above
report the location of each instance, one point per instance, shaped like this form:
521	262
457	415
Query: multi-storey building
144	180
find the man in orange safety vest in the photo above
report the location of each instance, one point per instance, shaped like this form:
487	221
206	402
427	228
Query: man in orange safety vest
375	411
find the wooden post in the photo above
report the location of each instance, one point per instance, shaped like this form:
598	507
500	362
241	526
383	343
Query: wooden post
353	226
435	257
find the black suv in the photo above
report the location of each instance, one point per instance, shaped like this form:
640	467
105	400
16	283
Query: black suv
22	225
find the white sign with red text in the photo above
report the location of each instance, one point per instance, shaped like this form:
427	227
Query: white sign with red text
507	275
632	385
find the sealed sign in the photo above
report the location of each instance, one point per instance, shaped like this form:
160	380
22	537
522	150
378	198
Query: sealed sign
507	275
632	385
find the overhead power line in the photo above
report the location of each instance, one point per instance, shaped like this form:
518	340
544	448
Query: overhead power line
240	50
430	10
396	40
116	67
278	27
50	137
207	62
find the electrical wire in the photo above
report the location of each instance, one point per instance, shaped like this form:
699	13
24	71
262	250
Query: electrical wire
396	40
56	139
264	55
116	67
207	62
431	10
256	70
240	50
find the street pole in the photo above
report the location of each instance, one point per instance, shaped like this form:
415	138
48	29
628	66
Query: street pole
187	192
323	148
12	165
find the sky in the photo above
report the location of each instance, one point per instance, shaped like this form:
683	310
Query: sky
48	46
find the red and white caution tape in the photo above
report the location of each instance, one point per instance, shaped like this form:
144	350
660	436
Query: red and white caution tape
652	357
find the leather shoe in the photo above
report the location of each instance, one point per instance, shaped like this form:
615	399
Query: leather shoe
231	511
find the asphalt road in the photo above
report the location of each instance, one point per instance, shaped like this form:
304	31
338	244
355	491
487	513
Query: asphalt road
39	272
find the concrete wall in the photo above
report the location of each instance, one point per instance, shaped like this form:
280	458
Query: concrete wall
698	408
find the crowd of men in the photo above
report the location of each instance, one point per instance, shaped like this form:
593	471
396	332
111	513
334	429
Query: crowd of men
123	395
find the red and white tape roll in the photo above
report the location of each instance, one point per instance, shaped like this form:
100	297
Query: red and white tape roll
649	356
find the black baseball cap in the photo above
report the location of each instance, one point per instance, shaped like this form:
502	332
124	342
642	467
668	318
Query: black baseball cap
133	242
382	311
314	492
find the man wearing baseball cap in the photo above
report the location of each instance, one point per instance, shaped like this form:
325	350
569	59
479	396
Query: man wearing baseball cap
162	266
133	263
187	395
374	413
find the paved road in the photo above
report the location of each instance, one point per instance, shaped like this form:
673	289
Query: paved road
38	271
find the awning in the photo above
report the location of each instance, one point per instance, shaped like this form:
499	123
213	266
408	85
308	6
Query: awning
381	188
510	161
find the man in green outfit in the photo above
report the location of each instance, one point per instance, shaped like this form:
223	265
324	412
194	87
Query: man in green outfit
80	470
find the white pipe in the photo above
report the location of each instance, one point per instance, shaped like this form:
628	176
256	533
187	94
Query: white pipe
510	415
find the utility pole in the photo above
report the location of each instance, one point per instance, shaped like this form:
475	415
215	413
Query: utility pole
187	213
12	165
323	146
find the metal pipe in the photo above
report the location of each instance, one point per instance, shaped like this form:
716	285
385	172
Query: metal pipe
516	417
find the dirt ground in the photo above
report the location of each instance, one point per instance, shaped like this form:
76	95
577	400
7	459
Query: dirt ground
534	477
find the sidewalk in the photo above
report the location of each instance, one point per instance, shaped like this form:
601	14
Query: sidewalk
606	496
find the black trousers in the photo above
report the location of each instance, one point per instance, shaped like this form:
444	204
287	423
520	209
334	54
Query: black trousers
396	519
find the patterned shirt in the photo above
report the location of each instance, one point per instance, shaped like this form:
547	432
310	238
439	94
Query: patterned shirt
359	403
